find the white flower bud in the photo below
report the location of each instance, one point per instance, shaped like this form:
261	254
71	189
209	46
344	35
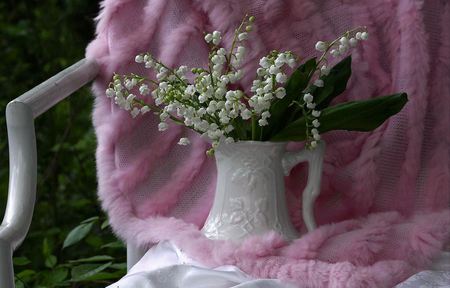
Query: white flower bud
139	59
358	35
149	64
364	35
144	89
274	70
315	113
246	114
280	93
324	70
240	50
291	62
221	52
311	105
163	126
208	37
279	63
262	122
260	72
335	53
135	112
308	98
229	140
145	109
316	137
318	83
267	97
268	87
343	49
110	92
264	62
238	75
353	42
265	115
243	36
313	144
184	141
281	77
229	128
316	123
344	41
321	46
163	86
118	87
131	97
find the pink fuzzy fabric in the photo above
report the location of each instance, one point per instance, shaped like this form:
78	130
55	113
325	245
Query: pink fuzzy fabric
383	208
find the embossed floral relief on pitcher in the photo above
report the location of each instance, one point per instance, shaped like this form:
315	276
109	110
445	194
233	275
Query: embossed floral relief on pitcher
250	193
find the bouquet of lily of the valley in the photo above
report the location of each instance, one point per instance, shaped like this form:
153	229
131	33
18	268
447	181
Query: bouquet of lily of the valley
277	107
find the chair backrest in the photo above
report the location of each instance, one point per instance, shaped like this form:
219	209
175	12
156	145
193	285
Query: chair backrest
20	115
153	188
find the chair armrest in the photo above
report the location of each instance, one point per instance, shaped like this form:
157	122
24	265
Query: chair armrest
20	115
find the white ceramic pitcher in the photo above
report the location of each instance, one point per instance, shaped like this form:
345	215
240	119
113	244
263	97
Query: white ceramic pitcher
250	195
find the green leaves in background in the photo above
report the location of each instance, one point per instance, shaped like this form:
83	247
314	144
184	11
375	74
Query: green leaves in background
80	232
39	39
364	115
97	270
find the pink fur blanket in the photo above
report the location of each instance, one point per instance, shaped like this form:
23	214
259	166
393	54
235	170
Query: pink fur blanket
385	194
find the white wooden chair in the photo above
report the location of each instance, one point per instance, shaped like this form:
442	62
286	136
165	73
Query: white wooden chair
20	115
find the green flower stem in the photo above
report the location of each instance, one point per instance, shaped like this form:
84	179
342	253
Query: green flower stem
346	34
157	110
233	44
253	127
142	78
171	71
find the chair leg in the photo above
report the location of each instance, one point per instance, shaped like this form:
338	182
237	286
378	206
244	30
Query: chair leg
6	265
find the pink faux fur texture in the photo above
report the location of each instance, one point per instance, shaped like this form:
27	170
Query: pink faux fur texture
383	210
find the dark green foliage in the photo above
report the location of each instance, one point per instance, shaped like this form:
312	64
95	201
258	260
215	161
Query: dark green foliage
362	115
281	109
336	82
365	115
39	39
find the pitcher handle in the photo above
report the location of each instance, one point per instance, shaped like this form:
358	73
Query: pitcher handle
312	190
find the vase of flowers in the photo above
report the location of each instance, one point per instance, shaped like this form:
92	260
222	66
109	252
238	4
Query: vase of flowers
250	195
248	127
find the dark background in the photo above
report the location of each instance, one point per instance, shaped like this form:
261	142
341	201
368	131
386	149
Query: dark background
37	40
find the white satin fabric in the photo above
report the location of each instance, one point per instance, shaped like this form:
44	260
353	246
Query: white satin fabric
166	266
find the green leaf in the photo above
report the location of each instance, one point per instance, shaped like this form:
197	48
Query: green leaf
280	109
50	261
77	234
26	274
115	244
106	276
86	271
365	115
46	249
104	224
89	220
58	275
21	261
334	83
98	258
119	266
